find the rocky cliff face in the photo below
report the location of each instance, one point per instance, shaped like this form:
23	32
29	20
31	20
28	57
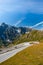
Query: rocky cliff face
9	33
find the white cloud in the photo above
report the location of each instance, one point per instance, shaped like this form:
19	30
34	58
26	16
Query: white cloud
18	22
37	24
21	6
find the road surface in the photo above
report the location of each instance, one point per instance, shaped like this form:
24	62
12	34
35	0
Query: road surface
17	49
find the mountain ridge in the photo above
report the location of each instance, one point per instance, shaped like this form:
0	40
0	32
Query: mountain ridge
10	33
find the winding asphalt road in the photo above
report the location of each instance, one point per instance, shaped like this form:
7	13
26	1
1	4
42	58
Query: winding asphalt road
17	49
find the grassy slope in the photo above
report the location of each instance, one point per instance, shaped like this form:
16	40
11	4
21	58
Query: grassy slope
30	56
34	35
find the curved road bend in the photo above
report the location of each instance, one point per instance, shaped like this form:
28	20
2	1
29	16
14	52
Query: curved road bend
9	54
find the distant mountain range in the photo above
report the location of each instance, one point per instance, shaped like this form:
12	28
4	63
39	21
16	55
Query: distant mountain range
10	33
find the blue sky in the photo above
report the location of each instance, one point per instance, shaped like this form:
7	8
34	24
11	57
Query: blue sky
21	12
